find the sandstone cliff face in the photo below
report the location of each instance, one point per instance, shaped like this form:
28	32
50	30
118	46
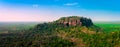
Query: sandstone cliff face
72	22
75	21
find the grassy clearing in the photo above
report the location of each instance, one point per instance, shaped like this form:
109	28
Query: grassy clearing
109	26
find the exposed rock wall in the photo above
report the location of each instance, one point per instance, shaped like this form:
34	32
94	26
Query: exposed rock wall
75	21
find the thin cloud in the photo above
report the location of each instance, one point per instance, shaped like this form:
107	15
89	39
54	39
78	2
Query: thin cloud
35	5
71	4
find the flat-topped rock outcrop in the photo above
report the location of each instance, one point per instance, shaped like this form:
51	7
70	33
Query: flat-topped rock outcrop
75	21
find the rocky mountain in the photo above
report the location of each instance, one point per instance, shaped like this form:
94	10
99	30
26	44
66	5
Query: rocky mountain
75	21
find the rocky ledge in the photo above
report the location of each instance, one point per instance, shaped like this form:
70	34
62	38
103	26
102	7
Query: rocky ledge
75	21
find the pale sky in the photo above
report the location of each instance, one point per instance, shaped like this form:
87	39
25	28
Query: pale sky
50	10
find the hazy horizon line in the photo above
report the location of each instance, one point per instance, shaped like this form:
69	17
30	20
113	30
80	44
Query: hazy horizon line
52	21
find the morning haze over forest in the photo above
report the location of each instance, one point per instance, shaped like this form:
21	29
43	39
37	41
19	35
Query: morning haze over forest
59	23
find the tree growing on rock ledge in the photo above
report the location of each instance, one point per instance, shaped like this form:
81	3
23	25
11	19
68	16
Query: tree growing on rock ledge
75	21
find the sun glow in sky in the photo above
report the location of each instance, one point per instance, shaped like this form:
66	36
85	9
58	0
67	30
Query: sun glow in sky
50	10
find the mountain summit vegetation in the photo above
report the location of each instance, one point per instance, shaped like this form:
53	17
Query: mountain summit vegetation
70	31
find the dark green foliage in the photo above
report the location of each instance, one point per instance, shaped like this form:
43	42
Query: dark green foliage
42	35
86	22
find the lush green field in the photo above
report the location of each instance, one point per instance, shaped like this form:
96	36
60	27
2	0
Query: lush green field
109	26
